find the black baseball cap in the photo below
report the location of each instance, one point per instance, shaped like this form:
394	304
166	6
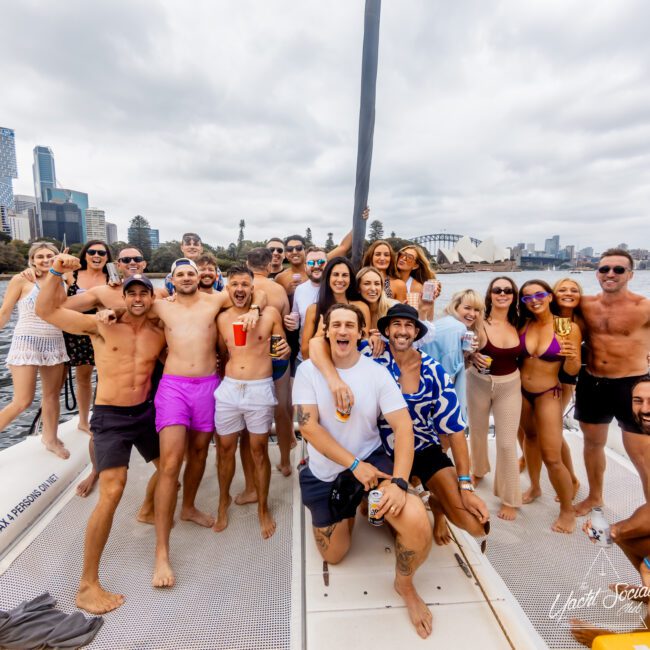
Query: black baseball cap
139	279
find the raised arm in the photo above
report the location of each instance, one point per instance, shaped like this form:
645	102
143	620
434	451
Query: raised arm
346	243
49	308
83	301
12	296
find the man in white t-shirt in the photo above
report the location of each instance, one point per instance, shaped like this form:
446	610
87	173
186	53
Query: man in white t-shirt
347	459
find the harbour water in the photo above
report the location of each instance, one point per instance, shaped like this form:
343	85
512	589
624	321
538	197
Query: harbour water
451	283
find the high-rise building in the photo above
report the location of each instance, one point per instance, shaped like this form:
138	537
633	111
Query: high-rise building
552	245
95	224
111	233
154	236
26	208
18	226
61	220
586	252
80	199
44	177
8	171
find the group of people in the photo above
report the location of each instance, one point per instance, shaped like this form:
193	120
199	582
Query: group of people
381	391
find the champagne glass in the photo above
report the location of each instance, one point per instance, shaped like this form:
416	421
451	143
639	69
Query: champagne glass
562	326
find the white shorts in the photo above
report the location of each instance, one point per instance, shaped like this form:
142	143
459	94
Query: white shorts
244	404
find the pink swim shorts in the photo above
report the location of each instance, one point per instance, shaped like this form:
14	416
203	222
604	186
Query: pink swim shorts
186	401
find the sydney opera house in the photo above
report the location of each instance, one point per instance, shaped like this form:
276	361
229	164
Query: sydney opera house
487	255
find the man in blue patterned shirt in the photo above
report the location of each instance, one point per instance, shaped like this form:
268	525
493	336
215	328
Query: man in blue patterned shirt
435	411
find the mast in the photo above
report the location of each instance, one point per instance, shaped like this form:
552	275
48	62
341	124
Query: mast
366	125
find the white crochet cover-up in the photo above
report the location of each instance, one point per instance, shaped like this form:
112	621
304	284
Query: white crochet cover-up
35	342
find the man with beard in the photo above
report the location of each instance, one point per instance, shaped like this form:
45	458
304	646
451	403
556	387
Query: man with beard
192	249
185	402
246	397
207	266
125	353
435	411
632	535
276	246
617	334
129	263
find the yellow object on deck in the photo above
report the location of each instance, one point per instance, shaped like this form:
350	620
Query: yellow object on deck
635	641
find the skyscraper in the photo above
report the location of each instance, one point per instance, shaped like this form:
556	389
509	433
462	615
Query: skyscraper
44	174
154	236
111	233
95	224
8	171
62	219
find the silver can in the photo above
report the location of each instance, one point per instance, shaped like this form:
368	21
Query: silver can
374	497
599	531
429	290
113	275
468	341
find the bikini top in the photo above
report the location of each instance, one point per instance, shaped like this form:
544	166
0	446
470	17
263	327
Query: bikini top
552	352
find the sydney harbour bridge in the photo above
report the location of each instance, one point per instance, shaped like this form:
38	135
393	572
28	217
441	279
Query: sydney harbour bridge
440	240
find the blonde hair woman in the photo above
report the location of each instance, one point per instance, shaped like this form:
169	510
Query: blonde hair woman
370	284
36	348
381	256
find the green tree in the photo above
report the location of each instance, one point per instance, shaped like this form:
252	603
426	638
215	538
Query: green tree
392	234
116	247
10	258
329	243
308	240
240	237
376	230
139	235
164	256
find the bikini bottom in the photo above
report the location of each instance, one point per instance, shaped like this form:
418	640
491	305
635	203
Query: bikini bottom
531	397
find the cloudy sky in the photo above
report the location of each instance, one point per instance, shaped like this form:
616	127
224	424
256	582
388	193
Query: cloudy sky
512	119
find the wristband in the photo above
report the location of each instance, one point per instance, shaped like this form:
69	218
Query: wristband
53	272
646	561
354	464
464	479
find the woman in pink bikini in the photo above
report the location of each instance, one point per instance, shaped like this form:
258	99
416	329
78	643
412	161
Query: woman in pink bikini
544	353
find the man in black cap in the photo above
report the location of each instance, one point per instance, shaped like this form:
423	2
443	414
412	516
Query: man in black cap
434	409
125	354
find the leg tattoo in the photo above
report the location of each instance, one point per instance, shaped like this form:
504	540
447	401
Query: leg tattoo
404	559
323	537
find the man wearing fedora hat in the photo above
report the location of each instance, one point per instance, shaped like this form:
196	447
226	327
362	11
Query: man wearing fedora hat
435	410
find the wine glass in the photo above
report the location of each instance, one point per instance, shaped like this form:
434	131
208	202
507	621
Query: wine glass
562	326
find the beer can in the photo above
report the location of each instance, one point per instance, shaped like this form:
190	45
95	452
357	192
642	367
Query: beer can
374	497
488	360
468	341
343	416
429	291
600	530
275	341
113	275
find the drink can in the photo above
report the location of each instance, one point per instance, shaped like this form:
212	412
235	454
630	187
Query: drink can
239	333
600	530
275	341
374	497
488	360
343	416
468	341
113	275
296	277
429	290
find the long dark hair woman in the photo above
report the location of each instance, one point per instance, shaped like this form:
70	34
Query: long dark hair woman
92	273
497	388
546	349
336	286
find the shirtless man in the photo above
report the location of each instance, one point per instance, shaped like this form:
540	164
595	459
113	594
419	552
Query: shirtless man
129	262
125	355
617	333
207	265
258	261
246	397
185	402
632	535
276	246
192	249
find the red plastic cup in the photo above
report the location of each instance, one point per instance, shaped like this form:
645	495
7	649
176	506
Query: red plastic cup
240	333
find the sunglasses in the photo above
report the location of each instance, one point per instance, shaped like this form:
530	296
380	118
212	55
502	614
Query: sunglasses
192	242
276	250
407	256
506	291
136	258
619	270
299	248
94	251
312	263
540	295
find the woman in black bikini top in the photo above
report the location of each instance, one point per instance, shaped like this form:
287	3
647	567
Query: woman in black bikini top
544	354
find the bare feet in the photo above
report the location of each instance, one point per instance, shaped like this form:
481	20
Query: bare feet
221	522
584	633
585	506
522	464
565	523
576	487
419	613
285	470
294	441
84	427
441	534
57	449
631	592
198	517
86	486
267	523
163	576
530	495
507	513
146	514
246	497
95	600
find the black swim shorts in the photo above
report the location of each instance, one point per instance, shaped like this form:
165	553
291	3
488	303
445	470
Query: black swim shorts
600	399
117	429
429	461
